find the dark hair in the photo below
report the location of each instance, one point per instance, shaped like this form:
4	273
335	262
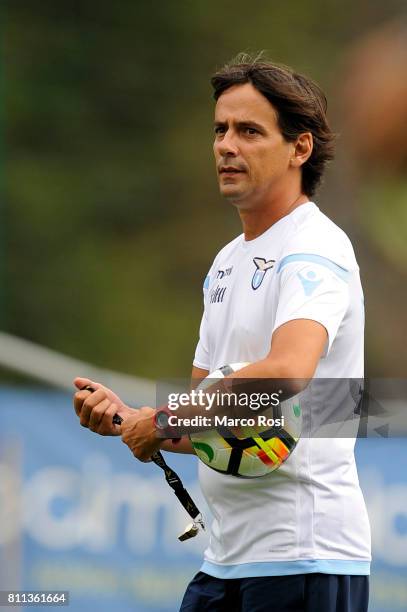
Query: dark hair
299	102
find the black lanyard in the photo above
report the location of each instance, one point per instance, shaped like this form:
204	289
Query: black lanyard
172	478
175	483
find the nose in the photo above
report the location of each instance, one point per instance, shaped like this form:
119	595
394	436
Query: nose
226	146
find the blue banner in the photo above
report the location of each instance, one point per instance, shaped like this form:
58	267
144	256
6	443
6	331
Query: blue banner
79	513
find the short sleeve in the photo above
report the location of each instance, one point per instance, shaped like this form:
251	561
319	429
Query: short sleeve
201	359
312	287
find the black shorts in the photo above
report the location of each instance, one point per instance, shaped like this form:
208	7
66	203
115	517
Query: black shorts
299	593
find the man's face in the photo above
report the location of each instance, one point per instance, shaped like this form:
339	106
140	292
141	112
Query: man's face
252	157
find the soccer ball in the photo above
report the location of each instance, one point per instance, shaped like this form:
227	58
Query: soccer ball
254	450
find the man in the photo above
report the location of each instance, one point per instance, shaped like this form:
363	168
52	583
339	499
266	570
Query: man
291	305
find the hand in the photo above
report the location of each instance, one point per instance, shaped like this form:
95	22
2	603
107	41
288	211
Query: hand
97	409
140	434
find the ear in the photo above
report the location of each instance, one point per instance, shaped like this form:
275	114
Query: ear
302	149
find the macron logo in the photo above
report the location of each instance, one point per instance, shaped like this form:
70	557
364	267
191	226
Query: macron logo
309	282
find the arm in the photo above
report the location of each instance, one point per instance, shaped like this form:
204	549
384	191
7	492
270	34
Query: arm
295	351
197	375
296	348
96	411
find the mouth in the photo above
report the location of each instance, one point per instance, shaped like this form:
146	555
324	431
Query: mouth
230	171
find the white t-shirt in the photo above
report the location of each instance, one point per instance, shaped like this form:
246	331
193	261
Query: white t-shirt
309	515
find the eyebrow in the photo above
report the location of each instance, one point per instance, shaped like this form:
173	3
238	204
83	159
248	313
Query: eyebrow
240	124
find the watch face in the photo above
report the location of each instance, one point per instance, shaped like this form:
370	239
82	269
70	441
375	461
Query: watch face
161	419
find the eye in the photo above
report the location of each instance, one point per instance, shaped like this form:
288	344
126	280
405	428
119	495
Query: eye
219	129
251	131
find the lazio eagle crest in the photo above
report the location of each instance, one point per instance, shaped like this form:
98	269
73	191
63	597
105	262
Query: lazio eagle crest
261	268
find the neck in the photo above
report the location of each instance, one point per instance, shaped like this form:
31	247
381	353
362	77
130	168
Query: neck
257	220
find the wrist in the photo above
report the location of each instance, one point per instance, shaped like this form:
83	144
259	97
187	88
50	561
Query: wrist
162	426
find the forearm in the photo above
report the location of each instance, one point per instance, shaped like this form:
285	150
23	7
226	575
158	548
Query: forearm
269	376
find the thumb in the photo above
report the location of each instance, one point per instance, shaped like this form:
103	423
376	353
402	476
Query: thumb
84	382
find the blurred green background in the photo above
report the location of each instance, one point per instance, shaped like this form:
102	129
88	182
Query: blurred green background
110	213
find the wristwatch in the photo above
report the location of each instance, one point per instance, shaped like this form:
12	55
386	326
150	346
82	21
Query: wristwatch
161	423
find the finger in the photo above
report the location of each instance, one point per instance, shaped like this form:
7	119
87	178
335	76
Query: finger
78	400
143	456
96	416
126	437
108	422
88	388
80	382
128	429
138	452
146	459
92	400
